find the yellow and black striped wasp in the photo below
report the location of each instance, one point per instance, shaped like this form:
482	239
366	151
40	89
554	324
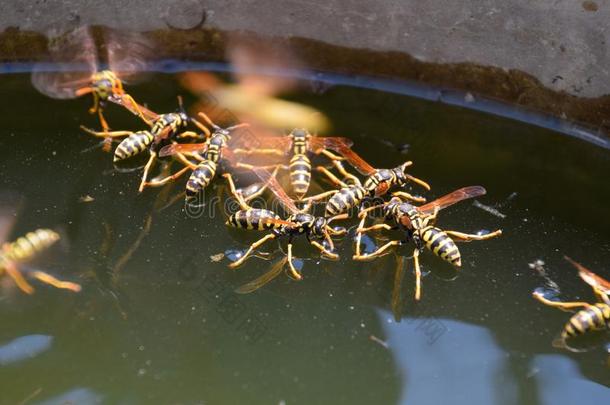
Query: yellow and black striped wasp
418	224
13	255
164	129
297	145
210	154
299	222
353	192
592	317
80	71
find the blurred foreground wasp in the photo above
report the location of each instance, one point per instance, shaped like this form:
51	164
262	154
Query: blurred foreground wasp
592	317
297	223
125	54
418	225
297	144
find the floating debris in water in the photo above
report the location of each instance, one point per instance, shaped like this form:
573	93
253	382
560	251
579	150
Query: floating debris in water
538	267
489	209
379	341
86	199
217	257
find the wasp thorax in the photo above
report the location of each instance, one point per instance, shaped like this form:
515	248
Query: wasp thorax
299	133
319	226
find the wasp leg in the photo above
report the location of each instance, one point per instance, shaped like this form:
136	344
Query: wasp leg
323	250
406	196
378	252
331	155
295	273
49	279
417	274
165	180
202	127
346	175
375	228
262	151
263	187
15	274
136	107
111	134
333	179
236	194
251	249
147	168
564	306
465	237
418	181
96	103
188	134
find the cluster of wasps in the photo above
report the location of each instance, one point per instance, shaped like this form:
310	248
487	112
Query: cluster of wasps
208	151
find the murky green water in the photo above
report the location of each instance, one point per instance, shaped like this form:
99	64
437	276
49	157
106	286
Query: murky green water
172	331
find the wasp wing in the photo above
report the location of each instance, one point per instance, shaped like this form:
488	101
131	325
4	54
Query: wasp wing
175	148
128	54
591	278
336	143
452	198
277	189
73	59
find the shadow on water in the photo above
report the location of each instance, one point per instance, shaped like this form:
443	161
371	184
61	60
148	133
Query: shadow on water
172	330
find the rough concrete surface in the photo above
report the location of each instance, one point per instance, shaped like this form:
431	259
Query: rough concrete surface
563	43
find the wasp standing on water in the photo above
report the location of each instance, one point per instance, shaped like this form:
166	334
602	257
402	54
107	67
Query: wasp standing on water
297	223
164	129
592	317
298	144
210	154
377	183
125	56
418	225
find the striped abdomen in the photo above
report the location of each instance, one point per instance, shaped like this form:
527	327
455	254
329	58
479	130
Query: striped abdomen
344	200
132	145
376	179
300	175
441	245
254	219
594	317
32	243
200	178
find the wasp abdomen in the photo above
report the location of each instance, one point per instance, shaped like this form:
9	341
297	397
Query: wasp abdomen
33	242
592	318
133	145
441	245
201	177
300	174
254	219
344	200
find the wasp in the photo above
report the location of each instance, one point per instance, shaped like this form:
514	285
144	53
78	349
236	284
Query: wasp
125	54
164	129
297	144
418	223
352	192
25	248
592	317
297	223
210	154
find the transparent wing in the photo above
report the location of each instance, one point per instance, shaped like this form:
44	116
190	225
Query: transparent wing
338	144
73	58
128	54
10	205
452	198
277	189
